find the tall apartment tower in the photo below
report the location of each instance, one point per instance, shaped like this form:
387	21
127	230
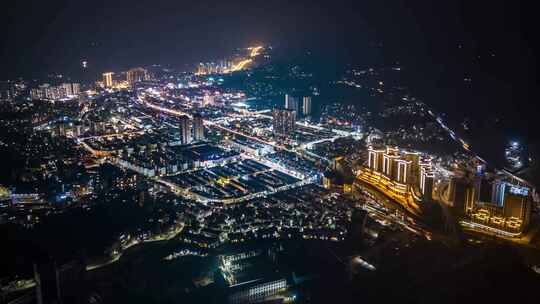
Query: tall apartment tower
306	106
107	79
284	122
198	127
291	103
185	130
136	75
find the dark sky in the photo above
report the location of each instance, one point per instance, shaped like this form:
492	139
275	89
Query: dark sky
43	36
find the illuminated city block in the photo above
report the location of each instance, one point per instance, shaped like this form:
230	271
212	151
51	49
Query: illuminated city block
136	75
398	192
406	176
498	207
107	79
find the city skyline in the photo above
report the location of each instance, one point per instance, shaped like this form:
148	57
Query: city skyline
458	49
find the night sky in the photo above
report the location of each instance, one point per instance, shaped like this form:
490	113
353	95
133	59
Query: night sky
41	36
493	42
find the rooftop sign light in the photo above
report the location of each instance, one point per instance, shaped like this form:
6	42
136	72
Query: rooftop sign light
516	190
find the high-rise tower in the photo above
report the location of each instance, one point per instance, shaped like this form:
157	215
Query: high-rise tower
198	127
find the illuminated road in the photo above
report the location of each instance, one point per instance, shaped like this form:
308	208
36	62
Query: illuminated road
310	145
255	51
452	134
241	65
476	227
166	110
112	135
215	125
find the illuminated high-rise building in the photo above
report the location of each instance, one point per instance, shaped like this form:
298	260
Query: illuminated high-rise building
107	79
201	69
291	103
402	166
43	88
426	182
76	88
500	205
417	161
46	91
375	158
37	93
185	129
390	159
517	204
402	170
284	122
7	90
68	87
198	127
50	93
407	175
306	105
54	93
208	100
460	194
136	75
498	193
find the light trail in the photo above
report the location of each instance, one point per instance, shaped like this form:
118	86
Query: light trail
112	135
166	110
483	228
240	65
255	51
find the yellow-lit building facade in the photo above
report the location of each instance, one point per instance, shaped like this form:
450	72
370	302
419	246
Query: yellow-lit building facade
136	75
507	213
405	176
108	79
